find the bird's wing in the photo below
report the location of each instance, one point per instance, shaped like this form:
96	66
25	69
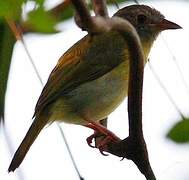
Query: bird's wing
88	59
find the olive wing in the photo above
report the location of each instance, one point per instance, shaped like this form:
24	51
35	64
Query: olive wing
87	60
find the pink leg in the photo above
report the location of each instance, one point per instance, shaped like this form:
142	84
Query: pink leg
101	130
90	138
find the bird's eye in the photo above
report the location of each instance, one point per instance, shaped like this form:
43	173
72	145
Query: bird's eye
141	18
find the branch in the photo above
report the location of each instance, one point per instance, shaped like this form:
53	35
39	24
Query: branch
90	24
85	21
100	8
134	146
83	18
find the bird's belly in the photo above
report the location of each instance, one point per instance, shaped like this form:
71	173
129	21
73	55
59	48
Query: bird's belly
93	100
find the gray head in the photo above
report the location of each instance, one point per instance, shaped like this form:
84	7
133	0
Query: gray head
146	20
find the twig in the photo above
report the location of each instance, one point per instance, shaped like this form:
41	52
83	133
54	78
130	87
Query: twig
18	35
84	21
134	146
100	8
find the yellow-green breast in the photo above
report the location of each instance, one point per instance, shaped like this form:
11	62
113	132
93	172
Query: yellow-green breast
93	100
96	99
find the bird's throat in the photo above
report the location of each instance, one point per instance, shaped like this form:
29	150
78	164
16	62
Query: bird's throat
147	44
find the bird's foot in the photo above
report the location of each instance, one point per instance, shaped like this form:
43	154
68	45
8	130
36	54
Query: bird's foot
103	143
101	131
95	135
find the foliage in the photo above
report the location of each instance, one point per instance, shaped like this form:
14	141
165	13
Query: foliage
41	21
11	9
7	41
180	131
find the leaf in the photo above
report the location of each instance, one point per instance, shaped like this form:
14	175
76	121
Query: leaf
7	42
62	12
40	2
11	9
41	21
180	132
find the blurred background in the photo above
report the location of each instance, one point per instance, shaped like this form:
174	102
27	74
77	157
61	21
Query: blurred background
48	158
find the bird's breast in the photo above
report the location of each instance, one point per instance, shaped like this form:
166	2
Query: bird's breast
94	100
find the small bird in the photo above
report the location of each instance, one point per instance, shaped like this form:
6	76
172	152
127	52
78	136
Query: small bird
90	80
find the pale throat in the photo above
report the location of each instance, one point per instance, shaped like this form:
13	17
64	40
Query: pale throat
147	44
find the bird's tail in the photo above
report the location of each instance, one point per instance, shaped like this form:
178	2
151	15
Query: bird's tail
26	143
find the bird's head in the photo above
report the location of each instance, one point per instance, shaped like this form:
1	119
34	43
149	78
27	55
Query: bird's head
147	21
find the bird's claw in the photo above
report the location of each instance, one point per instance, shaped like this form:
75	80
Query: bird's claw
102	144
101	149
90	140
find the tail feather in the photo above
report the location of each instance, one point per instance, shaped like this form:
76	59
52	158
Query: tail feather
26	143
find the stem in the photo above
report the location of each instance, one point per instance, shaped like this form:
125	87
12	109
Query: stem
134	146
100	8
85	19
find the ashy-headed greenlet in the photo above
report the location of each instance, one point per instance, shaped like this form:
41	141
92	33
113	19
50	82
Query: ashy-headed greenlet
90	80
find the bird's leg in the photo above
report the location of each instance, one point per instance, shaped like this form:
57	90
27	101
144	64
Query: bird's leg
100	136
95	135
100	129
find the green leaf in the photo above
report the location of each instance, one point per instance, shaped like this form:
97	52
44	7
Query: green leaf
65	14
7	42
11	8
40	2
180	132
41	21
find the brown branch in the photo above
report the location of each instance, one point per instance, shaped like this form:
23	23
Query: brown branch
86	22
100	8
16	31
134	146
84	19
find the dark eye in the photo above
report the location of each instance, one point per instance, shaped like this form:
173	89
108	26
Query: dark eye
141	18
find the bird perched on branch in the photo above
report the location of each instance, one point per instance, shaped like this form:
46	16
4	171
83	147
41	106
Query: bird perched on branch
90	80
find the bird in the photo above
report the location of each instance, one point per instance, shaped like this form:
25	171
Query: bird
90	80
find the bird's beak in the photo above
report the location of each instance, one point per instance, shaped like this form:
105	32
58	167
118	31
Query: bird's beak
165	24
